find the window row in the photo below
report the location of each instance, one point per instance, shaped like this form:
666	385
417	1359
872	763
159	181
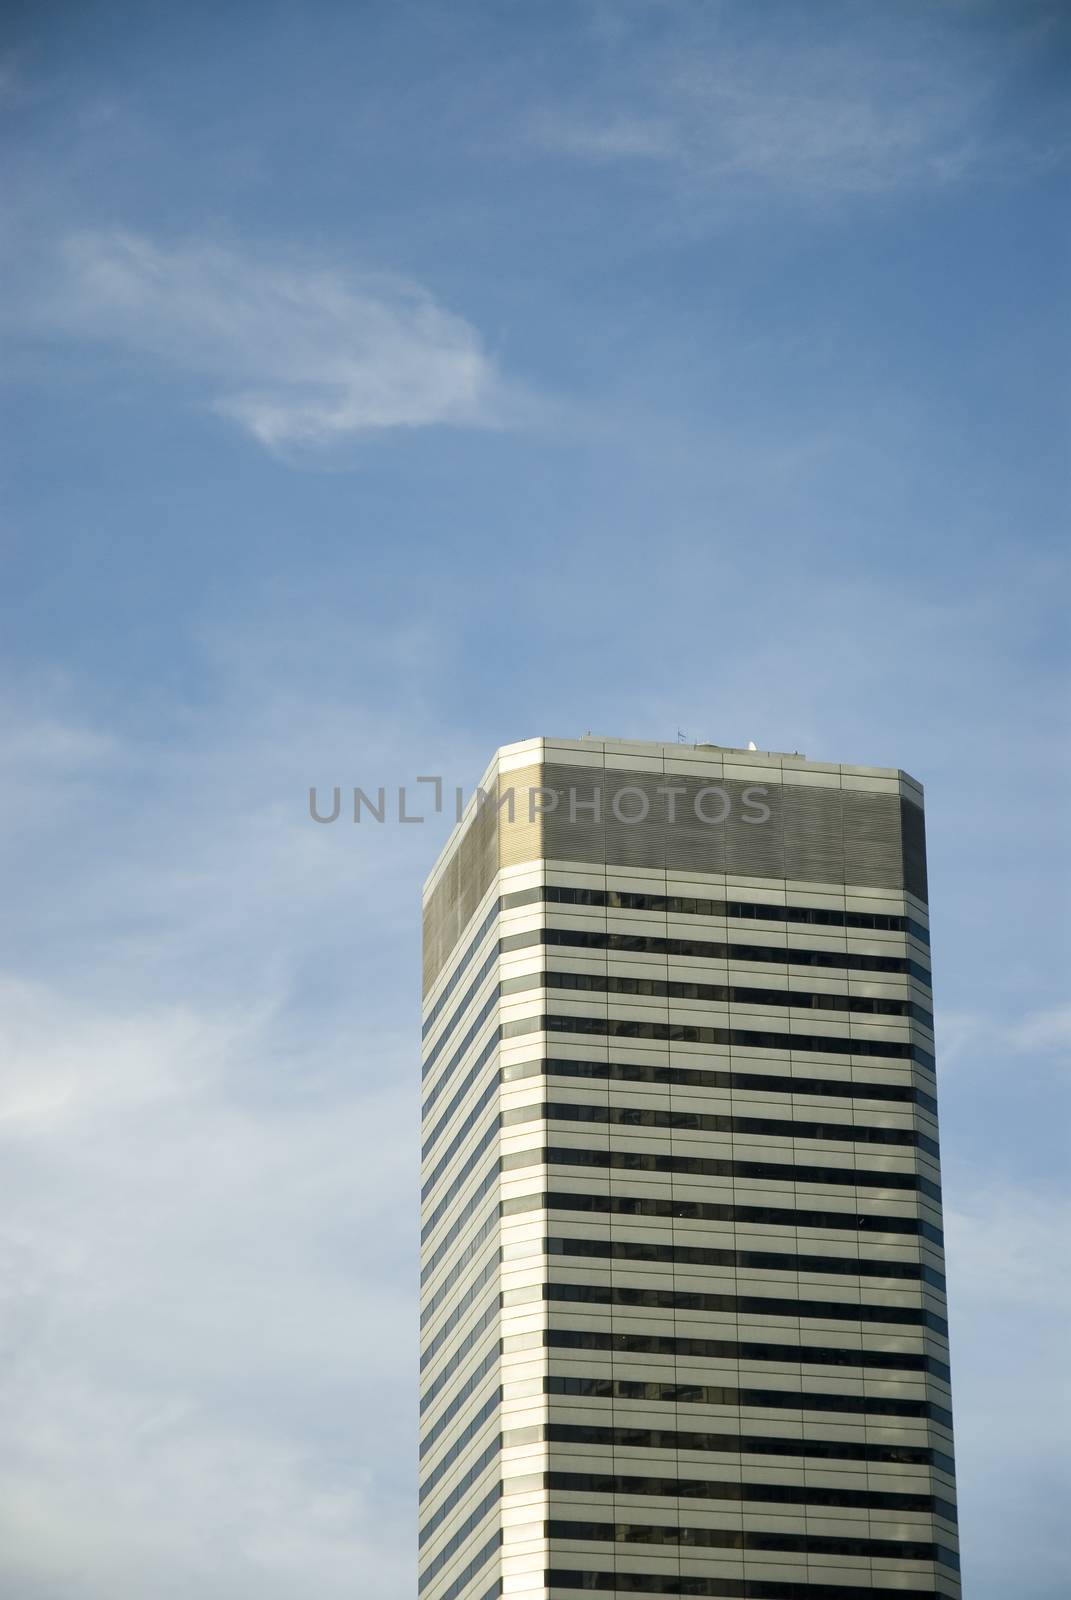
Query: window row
748	1083
714	950
468	1388
472	1475
690	1348
738	1305
467	1299
736	1082
811	1544
732	994
460	1222
469	1571
783	1217
673	905
436	1011
654	944
680	1122
652	1583
479	1238
473	1336
683	1255
646	1161
453	1544
746	1038
718	1167
685	1348
750	1444
716	1394
457	1448
674	1032
784	1494
717	1122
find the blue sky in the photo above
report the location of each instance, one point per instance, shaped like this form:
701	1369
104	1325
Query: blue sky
384	383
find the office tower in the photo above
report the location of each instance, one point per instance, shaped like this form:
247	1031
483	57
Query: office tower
682	1312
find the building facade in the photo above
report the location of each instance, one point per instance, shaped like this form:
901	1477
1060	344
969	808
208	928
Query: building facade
683	1325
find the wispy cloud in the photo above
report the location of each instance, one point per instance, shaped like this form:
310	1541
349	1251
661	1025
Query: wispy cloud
304	356
1044	1032
606	138
205	1235
187	1313
876	111
1008	1306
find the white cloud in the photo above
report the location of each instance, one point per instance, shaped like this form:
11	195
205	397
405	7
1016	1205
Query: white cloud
1008	1264
207	1164
1049	1029
881	109
303	356
206	1338
610	139
1036	1033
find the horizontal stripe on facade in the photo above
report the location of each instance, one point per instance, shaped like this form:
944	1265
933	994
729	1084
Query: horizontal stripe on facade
682	1346
617	1389
631	1437
718	1122
719	1078
908	1502
633	1117
807	1544
645	1161
463	1131
746	996
739	1305
447	1375
710	1211
475	1333
743	1038
432	1015
681	949
673	905
470	1034
630	943
757	1444
696	1210
460	1444
429	1100
792	1494
716	1394
465	1303
473	1203
476	1155
744	1083
666	1032
473	1567
454	1543
748	1350
465	1258
690	906
717	1167
465	1393
488	1454
686	1255
653	1583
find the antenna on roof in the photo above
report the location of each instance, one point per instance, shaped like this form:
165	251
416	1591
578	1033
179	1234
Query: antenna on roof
682	738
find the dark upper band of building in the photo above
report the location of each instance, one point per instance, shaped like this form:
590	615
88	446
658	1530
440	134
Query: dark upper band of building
760	826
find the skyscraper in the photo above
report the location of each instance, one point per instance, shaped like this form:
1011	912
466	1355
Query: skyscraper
682	1296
